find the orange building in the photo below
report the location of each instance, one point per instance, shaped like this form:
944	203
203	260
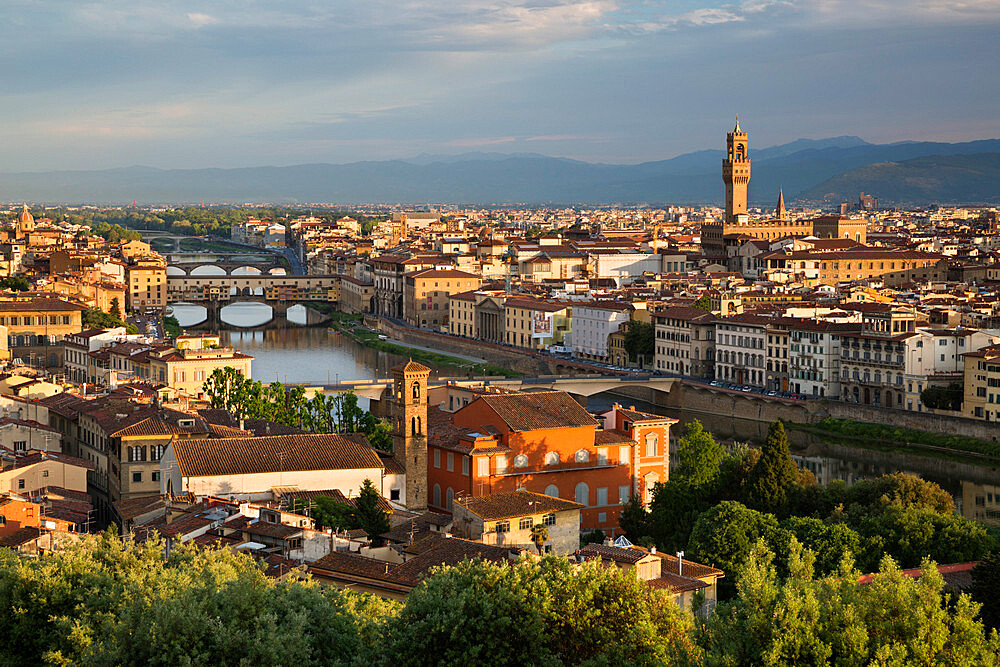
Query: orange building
546	442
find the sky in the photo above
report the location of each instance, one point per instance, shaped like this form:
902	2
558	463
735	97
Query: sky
228	83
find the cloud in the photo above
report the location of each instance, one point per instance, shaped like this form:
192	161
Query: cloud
199	20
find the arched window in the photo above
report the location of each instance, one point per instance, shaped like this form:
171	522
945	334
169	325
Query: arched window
551	458
552	490
583	493
520	461
651	442
415	425
582	456
437	495
416	391
449	497
651	479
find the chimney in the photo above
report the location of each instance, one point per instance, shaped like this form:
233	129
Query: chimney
652	550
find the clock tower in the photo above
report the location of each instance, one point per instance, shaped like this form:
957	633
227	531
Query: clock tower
736	175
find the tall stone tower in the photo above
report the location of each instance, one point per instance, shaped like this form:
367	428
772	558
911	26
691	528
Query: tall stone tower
409	434
736	175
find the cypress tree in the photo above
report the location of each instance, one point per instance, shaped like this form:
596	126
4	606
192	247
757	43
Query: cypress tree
774	473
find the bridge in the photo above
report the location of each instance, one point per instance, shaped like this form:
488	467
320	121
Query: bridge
196	289
578	385
228	263
279	310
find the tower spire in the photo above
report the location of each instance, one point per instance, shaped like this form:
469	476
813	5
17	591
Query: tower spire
780	210
737	128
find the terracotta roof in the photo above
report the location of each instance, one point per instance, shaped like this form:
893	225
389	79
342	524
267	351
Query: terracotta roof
129	508
39	305
617	554
542	410
688	568
514	504
411	367
20	537
241	456
185	524
642	417
611	437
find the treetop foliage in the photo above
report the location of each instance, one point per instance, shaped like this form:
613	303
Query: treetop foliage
227	389
105	602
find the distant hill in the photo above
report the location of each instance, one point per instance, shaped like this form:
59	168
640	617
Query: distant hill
946	179
803	167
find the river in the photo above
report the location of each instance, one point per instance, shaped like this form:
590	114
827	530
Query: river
312	355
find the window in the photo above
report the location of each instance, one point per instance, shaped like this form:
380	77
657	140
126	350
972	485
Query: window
501	464
483	466
451	462
503	526
602	456
651	440
437	495
416	391
155	475
437	458
525	523
582	456
137	477
394	494
449	498
551	458
20	445
602	496
465	465
624	493
624	455
583	493
552	490
520	461
20	483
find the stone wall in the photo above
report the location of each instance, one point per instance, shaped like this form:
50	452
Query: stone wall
921	421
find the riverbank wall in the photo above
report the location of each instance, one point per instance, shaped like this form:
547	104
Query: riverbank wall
522	361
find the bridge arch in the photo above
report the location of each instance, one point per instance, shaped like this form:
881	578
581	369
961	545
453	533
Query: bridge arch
207	270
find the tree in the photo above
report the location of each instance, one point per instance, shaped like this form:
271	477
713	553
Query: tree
639	340
550	613
539	536
703	303
894	620
698	455
369	512
986	589
943	398
95	318
724	536
774	474
104	602
115	310
15	283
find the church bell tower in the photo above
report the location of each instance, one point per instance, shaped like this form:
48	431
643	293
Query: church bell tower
409	432
736	175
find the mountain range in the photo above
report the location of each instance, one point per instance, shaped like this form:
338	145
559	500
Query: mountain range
809	170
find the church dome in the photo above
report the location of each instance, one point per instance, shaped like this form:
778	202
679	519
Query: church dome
25	216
